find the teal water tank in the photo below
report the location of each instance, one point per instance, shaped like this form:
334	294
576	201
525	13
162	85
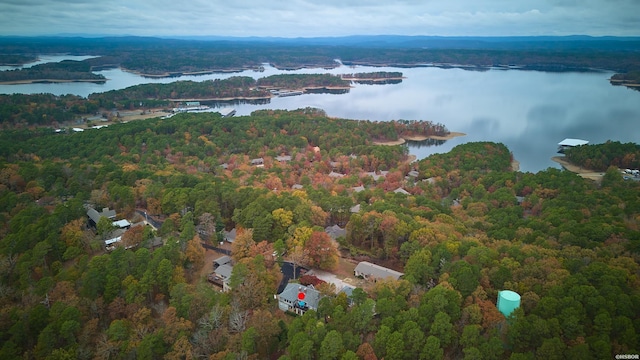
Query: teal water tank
508	301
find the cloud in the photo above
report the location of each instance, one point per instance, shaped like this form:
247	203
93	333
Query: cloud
305	18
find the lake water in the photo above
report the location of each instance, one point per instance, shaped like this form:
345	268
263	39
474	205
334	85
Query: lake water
528	111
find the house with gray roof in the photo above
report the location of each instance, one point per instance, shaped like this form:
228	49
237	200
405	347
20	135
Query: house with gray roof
401	191
335	231
222	260
298	299
230	236
94	215
413	174
257	162
221	276
373	272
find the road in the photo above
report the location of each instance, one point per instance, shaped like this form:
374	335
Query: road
286	268
156	224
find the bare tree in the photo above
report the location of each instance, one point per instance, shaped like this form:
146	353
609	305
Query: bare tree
206	225
237	318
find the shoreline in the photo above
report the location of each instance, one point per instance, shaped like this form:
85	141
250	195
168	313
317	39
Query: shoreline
46	81
585	173
404	139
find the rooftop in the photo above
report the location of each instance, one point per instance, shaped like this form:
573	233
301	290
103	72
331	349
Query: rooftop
311	298
366	269
572	142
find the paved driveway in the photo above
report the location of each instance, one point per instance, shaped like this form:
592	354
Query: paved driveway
333	279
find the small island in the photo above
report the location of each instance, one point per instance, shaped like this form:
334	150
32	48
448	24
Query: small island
64	71
375	78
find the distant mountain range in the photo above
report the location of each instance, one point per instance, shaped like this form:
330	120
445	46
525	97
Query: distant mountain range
555	43
440	42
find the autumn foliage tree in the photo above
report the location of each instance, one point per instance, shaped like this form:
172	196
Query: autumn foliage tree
322	252
194	254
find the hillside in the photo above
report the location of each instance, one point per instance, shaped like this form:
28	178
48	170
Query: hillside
464	227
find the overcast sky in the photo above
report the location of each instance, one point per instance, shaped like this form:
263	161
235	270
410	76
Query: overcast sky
313	18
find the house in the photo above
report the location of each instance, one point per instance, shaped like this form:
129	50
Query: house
227	112
569	143
222	260
122	224
115	237
357	189
297	186
401	191
230	236
298	299
430	180
259	162
334	174
221	276
283	158
355	209
94	215
376	176
371	271
154	243
335	231
348	290
413	174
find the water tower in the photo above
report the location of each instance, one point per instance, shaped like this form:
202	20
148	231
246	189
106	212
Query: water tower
508	301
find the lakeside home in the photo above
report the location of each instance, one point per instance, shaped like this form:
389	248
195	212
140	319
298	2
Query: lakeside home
569	143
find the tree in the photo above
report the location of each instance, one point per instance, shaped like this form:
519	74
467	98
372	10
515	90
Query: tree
195	254
133	236
206	225
443	329
432	349
298	257
331	347
301	347
241	246
365	352
418	269
72	233
321	251
104	227
551	349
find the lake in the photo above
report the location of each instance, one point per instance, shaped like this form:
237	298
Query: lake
528	111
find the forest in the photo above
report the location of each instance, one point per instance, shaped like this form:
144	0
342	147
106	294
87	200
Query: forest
49	110
302	81
599	157
67	70
171	57
466	227
15	60
630	79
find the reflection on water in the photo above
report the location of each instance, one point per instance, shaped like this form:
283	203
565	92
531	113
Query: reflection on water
327	91
236	102
378	82
425	143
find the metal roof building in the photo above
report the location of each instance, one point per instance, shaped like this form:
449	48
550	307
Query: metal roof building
372	271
